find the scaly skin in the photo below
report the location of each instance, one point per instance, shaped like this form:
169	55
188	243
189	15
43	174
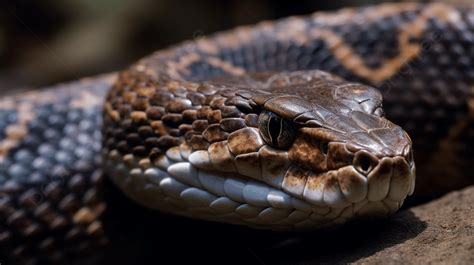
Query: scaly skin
182	131
207	150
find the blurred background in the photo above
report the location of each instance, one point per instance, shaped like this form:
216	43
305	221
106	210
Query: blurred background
49	41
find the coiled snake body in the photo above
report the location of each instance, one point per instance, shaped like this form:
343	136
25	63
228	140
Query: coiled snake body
248	127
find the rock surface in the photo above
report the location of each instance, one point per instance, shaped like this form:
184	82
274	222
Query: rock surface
447	239
439	232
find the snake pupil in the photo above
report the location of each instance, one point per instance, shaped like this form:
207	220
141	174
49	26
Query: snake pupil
274	129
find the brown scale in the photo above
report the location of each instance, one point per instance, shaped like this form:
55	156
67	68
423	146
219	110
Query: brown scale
160	98
198	142
244	141
251	120
159	128
230	112
185	128
177	105
167	141
215	116
216	102
296	177
174	132
203	112
220	154
172	119
189	116
308	155
214	133
155	112
197	99
232	124
200	125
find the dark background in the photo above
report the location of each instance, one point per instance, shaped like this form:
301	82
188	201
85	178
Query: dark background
48	41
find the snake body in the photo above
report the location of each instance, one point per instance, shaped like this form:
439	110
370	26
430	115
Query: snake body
267	126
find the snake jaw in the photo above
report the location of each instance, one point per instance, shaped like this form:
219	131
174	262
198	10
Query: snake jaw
381	191
383	188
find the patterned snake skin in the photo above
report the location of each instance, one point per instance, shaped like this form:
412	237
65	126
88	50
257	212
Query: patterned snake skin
248	127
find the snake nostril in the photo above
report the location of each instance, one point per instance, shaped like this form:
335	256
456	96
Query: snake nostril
364	162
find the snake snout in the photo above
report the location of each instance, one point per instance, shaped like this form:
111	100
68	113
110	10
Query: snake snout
391	179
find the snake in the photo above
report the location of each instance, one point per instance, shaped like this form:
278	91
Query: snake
292	124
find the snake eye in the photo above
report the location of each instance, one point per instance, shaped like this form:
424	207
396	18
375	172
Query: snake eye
276	131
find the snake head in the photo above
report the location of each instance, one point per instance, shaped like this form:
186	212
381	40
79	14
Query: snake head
298	150
340	148
342	152
326	142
